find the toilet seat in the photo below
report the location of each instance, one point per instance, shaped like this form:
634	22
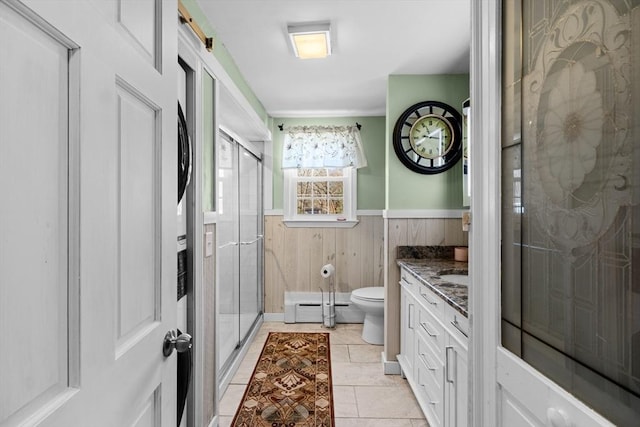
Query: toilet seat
373	293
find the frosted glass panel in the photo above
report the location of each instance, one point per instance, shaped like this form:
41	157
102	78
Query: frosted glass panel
250	204
227	238
571	166
240	243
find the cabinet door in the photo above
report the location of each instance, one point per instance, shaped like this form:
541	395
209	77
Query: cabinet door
456	379
407	313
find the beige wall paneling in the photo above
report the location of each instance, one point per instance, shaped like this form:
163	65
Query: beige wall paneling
303	273
356	256
209	304
453	234
367	266
435	232
342	270
274	262
378	250
416	231
328	246
316	260
290	264
294	256
398	235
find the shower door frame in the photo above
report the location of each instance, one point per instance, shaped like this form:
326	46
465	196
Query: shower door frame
228	365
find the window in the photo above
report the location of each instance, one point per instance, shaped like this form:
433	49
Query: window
320	197
320	164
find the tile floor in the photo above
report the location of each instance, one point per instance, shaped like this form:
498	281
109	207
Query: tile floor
363	395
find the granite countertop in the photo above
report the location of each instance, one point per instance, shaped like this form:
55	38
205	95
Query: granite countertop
428	271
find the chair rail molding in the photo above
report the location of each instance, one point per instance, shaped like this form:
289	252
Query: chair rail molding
423	213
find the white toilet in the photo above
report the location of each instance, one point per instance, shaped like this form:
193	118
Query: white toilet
371	301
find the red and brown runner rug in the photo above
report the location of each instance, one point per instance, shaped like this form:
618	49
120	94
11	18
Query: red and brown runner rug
291	383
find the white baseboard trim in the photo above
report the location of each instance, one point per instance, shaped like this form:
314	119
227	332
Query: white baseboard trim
390	367
273	317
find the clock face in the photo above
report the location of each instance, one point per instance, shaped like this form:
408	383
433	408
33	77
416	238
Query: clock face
431	136
427	137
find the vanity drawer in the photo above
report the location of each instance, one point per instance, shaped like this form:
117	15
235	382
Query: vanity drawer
408	280
432	301
430	360
408	286
457	323
431	330
430	394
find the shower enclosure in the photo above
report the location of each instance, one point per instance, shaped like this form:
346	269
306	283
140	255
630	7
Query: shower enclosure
239	255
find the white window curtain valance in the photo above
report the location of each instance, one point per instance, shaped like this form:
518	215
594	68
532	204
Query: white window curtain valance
322	147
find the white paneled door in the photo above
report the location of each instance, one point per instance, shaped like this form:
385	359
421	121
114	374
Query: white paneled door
87	219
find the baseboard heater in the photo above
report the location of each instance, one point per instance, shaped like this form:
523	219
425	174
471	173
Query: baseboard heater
306	307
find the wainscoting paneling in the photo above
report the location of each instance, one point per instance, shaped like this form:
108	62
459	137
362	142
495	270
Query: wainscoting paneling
210	385
294	256
406	232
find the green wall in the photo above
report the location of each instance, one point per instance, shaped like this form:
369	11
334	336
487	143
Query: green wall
370	179
385	183
224	58
407	189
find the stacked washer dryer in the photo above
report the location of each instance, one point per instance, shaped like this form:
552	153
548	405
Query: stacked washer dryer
184	173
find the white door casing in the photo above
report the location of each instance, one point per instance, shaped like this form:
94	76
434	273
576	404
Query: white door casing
87	159
484	231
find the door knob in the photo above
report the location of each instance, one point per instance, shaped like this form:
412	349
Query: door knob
172	340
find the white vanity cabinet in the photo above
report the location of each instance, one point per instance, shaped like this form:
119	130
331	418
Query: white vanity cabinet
457	379
407	328
433	358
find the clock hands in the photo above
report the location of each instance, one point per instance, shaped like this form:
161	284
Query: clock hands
429	135
437	131
420	141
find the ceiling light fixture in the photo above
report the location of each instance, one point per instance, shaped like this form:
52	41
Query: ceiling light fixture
311	40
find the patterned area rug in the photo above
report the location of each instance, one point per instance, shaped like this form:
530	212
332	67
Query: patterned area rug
291	383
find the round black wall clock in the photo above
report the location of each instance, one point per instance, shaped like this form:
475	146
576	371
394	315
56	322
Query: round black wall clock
427	137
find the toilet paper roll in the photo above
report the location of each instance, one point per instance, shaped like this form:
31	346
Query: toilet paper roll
461	254
327	270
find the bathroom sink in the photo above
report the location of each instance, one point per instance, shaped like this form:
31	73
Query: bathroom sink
460	279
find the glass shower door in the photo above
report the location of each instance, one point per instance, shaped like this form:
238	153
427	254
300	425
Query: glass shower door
239	231
228	267
250	209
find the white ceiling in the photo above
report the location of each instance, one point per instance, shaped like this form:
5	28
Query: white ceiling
371	40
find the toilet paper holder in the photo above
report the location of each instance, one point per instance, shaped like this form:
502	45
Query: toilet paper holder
329	318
